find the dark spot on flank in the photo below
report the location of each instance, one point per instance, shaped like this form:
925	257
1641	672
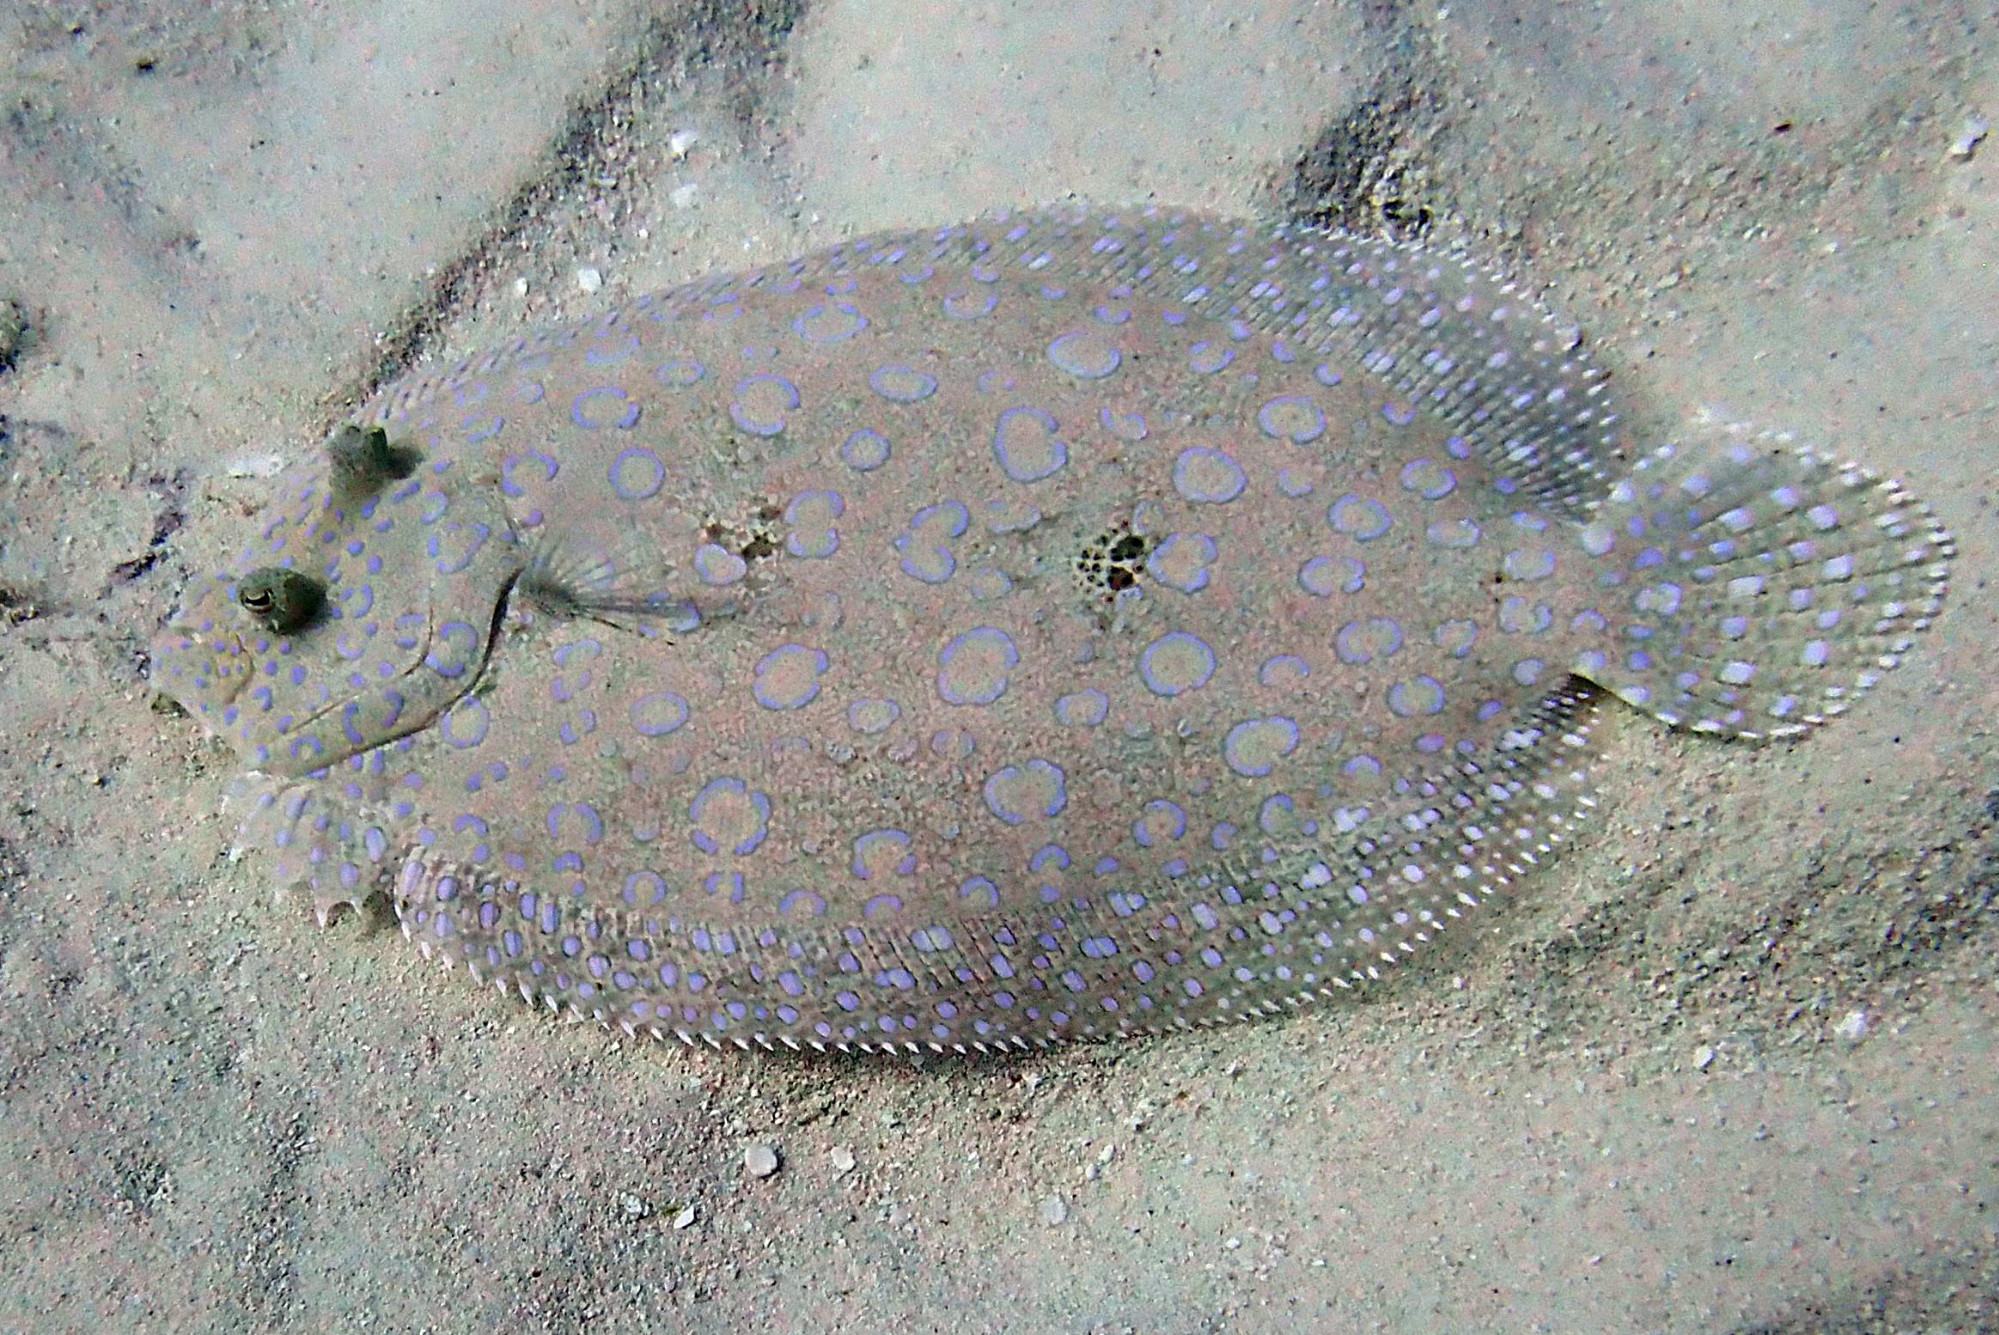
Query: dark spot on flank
1110	563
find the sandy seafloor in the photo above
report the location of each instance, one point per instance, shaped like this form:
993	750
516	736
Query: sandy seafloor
1729	1067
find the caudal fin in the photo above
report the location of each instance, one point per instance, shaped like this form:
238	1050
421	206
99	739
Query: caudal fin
1764	588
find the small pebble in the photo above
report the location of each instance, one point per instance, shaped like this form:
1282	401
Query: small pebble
1703	1058
843	1159
1969	138
760	1161
13	332
1854	1027
520	287
256	465
685	1218
1054	1211
589	279
680	141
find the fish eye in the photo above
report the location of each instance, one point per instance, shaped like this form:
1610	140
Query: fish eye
282	601
363	461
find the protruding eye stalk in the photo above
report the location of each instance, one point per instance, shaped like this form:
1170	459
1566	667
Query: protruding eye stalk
283	601
363	462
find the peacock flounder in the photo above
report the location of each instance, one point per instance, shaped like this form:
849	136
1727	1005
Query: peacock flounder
1064	625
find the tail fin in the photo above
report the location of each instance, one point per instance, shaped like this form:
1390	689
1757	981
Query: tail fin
1765	587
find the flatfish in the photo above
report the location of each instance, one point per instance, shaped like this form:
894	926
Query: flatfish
1063	625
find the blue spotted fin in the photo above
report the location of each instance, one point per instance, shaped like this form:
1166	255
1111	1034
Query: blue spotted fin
1769	587
1252	936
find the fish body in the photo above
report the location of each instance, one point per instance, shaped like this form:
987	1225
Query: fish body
1057	626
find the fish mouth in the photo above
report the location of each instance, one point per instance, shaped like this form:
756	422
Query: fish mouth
289	711
203	671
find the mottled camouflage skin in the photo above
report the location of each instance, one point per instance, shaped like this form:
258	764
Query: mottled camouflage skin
1059	626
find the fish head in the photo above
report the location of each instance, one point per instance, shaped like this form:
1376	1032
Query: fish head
364	607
